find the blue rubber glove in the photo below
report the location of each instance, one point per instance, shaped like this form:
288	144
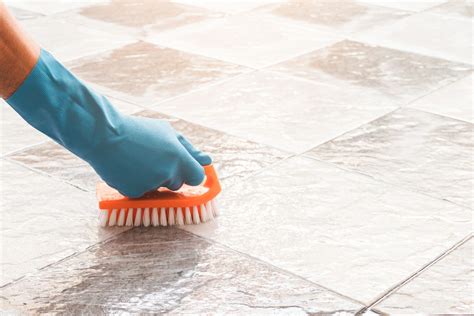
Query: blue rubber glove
131	154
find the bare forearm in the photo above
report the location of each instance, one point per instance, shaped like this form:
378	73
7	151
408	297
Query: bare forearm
18	53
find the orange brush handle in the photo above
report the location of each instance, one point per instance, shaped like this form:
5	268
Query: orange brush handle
110	198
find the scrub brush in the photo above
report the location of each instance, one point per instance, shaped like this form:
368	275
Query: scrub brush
188	205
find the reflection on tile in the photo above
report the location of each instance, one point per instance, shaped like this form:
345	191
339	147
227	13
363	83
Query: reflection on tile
51	6
409	5
445	288
67	41
15	132
234	158
44	221
152	73
346	15
339	229
168	271
428	34
160	14
229	6
454	100
399	75
457	8
280	111
247	40
21	14
412	149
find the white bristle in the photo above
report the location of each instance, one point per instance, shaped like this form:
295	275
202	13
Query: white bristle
179	216
146	217
155	220
121	217
138	217
196	219
103	217
189	218
215	210
209	211
163	221
203	213
171	216
113	217
129	221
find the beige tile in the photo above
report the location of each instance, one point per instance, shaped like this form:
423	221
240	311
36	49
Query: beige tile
454	101
15	133
339	229
148	73
399	75
345	16
168	271
411	149
280	111
415	6
51	6
444	288
428	34
68	41
43	221
228	6
456	8
247	40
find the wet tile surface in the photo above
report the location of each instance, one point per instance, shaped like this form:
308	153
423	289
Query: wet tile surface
342	230
399	75
341	15
51	6
280	111
415	6
234	158
151	73
234	39
230	6
454	100
416	34
412	149
15	132
21	14
47	221
67	41
168	270
456	8
441	289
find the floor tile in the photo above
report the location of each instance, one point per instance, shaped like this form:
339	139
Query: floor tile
339	229
345	16
149	73
51	6
456	8
412	149
229	6
444	288
415	6
68	41
280	111
15	132
157	15
400	75
168	271
47	221
21	14
247	40
428	34
454	101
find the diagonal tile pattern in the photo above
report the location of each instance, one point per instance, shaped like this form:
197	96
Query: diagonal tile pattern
342	230
441	289
456	8
168	270
399	75
151	73
411	149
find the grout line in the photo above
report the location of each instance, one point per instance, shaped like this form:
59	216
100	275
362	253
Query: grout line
25	148
398	286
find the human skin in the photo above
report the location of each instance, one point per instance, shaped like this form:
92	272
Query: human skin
18	53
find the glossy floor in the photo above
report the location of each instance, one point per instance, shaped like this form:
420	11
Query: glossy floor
342	133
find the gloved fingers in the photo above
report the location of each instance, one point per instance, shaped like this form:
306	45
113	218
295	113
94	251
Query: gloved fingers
201	157
174	185
192	173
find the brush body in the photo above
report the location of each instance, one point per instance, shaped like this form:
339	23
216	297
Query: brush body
189	205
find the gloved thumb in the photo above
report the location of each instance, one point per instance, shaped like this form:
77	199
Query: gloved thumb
200	157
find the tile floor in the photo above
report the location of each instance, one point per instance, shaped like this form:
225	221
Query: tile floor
342	133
